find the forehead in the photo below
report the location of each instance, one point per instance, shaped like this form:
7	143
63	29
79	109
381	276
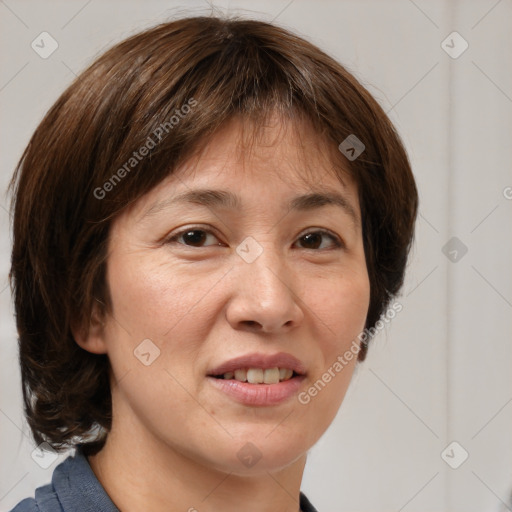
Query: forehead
276	147
272	163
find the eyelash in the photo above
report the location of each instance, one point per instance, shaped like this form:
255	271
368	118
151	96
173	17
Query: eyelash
337	242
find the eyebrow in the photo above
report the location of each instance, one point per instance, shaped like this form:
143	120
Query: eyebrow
222	198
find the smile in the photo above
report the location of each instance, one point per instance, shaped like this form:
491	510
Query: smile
259	375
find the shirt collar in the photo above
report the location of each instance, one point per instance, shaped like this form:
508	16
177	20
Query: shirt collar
77	487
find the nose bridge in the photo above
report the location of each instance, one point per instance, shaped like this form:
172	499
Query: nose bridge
265	293
269	272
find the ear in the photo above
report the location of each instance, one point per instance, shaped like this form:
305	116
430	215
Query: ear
91	337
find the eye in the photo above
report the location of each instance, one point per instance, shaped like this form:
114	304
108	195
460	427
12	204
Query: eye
192	237
196	237
313	239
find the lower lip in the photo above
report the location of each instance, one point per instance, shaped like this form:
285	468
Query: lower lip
258	394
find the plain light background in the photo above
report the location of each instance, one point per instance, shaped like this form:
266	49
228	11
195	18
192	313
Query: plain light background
441	372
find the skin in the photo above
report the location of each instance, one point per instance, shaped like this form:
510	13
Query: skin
175	438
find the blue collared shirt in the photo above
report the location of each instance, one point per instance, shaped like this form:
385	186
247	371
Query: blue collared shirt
75	488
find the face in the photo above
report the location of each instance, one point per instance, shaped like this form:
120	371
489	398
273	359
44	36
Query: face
248	277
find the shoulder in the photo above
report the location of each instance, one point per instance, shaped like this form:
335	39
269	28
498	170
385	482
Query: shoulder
74	488
27	505
45	500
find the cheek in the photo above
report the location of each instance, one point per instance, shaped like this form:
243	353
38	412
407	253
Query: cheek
341	305
151	299
173	307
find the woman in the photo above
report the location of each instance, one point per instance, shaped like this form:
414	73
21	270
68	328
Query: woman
208	225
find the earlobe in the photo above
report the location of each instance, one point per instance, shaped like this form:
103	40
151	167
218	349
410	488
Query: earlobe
91	337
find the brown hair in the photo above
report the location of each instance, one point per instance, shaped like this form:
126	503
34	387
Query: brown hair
67	186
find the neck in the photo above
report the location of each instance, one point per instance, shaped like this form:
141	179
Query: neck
159	477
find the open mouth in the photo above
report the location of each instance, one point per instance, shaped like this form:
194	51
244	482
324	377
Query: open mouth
259	379
259	375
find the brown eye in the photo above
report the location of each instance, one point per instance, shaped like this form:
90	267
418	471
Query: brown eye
192	238
313	239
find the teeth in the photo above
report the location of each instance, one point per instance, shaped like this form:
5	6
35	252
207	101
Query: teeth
260	376
271	376
241	375
285	373
255	375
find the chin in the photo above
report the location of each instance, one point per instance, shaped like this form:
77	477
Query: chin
252	455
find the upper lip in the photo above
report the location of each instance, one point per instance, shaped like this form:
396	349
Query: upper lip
259	360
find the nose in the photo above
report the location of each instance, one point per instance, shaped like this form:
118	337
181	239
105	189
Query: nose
265	295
